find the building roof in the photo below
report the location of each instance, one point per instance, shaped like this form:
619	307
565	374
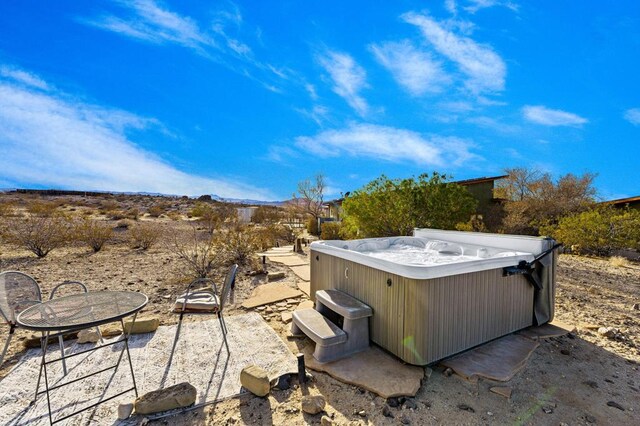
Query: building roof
475	181
623	200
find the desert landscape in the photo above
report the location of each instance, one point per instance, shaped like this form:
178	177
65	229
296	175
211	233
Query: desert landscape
589	376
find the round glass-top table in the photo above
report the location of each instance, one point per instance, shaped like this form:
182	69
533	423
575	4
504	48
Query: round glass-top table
81	310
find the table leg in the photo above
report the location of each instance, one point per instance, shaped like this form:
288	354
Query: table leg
126	346
44	342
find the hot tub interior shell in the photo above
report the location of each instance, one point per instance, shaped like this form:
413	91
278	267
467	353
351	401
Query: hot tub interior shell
424	320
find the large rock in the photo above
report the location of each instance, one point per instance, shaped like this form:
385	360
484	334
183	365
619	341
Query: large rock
124	411
111	330
33	341
255	380
88	336
313	404
177	396
142	325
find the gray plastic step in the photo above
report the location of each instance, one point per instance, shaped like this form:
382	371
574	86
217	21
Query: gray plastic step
318	328
343	304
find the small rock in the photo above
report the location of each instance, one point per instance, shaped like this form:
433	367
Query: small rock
502	390
465	407
142	325
615	405
326	421
273	276
589	418
608	332
286	317
565	352
283	382
124	411
313	404
405	420
427	373
110	330
254	379
489	413
448	372
547	409
269	310
291	409
177	396
590	383
88	336
636	306
386	411
410	404
281	304
362	413
393	402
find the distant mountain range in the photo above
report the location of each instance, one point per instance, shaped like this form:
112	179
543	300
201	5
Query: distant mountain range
148	194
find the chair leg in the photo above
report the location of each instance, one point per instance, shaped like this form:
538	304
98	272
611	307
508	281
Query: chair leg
99	334
6	345
223	325
64	361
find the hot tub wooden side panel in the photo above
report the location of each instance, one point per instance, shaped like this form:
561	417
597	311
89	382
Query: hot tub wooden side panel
386	326
447	315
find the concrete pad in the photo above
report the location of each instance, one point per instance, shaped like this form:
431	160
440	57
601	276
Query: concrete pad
374	370
498	360
270	293
303	272
546	331
283	249
305	287
289	260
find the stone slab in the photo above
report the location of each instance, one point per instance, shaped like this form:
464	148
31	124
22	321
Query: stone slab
374	370
289	260
303	272
305	287
498	360
306	304
546	331
270	293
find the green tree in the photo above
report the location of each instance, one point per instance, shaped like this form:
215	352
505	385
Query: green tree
598	231
386	207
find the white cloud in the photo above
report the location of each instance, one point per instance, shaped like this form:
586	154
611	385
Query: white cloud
50	139
388	144
633	116
551	117
484	68
413	69
348	77
494	124
155	24
23	77
476	5
451	6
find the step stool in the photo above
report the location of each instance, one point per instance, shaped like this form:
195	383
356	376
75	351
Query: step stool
333	342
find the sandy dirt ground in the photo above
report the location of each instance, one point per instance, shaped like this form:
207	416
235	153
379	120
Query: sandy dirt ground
578	379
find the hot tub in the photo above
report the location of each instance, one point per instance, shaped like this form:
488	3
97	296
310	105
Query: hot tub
439	292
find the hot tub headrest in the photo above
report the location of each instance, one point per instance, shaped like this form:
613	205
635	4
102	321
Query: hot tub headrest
521	243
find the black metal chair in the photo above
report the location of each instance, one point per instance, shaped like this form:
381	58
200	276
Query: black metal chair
18	291
206	301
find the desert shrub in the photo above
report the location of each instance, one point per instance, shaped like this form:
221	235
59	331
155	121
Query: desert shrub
116	215
237	244
38	234
312	226
7	209
331	231
132	213
94	233
619	261
200	210
598	231
143	236
197	252
533	199
174	215
156	210
266	215
108	205
386	207
42	208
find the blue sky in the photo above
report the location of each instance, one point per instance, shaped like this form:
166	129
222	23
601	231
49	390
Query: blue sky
246	99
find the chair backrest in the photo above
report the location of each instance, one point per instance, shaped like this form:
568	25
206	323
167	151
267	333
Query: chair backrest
81	286
18	291
229	283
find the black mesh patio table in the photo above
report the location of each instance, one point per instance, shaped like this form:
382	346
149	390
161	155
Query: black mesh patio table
79	311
